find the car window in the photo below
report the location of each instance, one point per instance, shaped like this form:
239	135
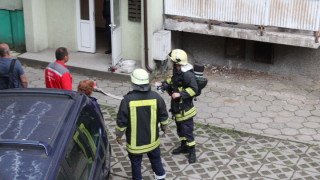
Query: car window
62	175
83	147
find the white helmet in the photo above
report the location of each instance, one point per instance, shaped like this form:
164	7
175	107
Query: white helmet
179	57
140	77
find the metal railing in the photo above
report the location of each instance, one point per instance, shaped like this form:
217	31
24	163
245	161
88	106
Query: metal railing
293	14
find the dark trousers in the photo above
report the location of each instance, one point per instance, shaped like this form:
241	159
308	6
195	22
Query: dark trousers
185	129
108	32
155	159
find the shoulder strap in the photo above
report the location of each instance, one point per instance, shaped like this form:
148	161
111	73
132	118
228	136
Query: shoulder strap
13	62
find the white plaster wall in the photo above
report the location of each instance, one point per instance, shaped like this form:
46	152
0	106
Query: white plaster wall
35	18
61	18
155	23
131	35
11	4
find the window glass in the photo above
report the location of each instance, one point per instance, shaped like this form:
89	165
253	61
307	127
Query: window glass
62	175
82	149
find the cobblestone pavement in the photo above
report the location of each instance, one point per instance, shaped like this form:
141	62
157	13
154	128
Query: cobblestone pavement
279	109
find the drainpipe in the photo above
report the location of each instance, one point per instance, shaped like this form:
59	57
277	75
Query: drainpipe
146	49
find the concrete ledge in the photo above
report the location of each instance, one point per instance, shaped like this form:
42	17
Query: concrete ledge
79	70
286	38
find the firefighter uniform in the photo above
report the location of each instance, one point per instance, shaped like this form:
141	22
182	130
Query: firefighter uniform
139	115
183	82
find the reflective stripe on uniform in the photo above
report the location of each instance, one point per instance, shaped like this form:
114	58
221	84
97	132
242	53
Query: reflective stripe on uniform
165	122
187	114
191	143
190	91
168	80
133	121
183	139
120	129
143	149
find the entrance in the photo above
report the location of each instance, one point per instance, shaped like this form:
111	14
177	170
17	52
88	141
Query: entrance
92	29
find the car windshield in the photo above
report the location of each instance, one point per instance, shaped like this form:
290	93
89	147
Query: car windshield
32	117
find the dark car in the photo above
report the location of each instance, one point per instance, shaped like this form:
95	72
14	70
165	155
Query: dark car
51	134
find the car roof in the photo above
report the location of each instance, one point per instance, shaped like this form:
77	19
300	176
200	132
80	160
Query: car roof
32	122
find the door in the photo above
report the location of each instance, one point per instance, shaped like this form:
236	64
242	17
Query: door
116	32
86	26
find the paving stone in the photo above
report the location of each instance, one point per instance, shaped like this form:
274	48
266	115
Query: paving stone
302	113
292	147
275	108
316	112
294	125
203	115
312	125
282	158
251	152
273	132
279	102
316	137
219	145
314	119
309	164
201	171
236	114
231	174
253	114
304	138
268	98
259	141
290	107
305	175
245	165
259	126
214	120
248	120
257	108
253	98
314	152
220	115
214	159
230	120
276	171
289	131
307	131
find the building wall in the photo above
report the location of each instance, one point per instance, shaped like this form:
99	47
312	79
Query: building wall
35	18
11	4
131	35
288	60
155	15
61	18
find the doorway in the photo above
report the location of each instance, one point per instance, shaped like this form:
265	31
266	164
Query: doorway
101	33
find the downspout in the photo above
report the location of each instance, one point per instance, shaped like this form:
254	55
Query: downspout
146	49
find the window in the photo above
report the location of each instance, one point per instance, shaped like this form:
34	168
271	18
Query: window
263	52
62	175
134	9
83	147
235	48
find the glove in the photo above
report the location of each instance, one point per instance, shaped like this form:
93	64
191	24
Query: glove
119	140
164	128
119	134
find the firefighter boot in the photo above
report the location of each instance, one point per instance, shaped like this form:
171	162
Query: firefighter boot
192	154
182	149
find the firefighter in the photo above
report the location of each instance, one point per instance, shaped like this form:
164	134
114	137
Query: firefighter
182	87
139	115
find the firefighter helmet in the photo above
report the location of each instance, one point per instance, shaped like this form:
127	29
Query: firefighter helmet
179	57
140	77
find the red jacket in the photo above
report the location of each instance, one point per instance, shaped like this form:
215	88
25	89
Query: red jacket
57	75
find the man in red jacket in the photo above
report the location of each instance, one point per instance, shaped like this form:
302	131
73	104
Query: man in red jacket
57	74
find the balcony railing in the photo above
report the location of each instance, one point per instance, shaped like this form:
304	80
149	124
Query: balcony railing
292	14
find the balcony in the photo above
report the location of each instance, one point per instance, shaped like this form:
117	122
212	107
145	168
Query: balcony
290	22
